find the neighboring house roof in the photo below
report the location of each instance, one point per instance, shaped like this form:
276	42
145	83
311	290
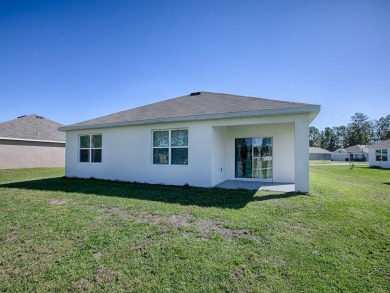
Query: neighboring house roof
381	144
32	128
357	149
314	150
197	106
340	151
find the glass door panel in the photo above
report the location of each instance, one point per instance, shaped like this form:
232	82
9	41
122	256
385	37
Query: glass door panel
253	157
243	158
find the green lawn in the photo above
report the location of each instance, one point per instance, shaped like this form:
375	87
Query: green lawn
74	235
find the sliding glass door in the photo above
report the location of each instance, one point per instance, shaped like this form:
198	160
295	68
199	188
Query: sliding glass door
253	157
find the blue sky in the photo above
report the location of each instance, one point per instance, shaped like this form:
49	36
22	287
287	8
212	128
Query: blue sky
71	61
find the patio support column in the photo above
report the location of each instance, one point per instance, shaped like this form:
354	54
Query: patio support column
301	154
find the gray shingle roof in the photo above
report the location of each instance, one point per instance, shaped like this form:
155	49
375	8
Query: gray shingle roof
381	144
32	127
357	148
315	150
203	106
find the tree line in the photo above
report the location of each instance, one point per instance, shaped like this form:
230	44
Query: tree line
361	130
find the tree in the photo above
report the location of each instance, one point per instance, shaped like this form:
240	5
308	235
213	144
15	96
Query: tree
314	137
328	139
341	134
359	130
382	128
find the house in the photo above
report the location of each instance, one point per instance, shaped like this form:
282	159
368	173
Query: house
31	141
200	139
358	152
319	154
379	154
340	155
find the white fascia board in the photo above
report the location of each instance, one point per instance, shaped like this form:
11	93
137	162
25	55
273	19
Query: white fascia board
27	139
288	111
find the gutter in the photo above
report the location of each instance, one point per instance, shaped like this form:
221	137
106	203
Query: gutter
273	112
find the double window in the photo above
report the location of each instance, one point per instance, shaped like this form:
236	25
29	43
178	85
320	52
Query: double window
381	155
90	148
170	147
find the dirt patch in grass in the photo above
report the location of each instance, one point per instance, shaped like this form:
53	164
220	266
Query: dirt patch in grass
82	285
174	220
58	201
210	226
205	227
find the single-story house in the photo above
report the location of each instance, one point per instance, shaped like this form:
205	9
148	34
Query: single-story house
358	152
340	155
201	139
319	154
379	154
31	141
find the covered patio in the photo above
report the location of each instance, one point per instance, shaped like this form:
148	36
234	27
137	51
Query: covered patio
257	185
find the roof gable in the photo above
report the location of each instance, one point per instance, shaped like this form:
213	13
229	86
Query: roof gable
381	144
32	127
196	106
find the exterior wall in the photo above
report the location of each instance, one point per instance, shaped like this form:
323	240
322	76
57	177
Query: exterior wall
374	163
340	155
320	156
127	156
219	155
301	153
127	151
28	154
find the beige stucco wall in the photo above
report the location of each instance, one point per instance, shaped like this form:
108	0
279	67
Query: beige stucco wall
30	154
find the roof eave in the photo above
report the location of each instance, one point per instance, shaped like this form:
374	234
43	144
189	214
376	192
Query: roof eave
311	109
28	139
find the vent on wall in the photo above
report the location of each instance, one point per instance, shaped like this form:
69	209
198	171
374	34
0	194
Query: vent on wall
195	94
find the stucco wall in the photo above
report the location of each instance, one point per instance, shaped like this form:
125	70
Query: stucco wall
127	151
28	154
317	156
127	156
374	163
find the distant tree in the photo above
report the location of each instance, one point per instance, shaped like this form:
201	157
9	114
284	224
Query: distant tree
382	128
328	139
314	137
359	130
341	134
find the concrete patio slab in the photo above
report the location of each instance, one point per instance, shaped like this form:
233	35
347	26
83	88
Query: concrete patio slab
255	185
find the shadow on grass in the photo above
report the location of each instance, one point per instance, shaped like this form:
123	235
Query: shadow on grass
183	195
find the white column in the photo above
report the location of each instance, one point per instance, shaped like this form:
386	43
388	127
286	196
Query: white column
301	154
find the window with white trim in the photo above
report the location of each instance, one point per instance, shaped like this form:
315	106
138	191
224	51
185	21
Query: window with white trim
381	155
170	147
90	148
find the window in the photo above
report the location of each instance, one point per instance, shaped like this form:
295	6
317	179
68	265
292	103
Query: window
381	155
90	148
170	147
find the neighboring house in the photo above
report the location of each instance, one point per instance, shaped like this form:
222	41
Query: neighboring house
379	154
201	139
31	141
340	155
319	154
358	152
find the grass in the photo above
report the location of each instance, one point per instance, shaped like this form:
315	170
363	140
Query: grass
320	162
87	235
